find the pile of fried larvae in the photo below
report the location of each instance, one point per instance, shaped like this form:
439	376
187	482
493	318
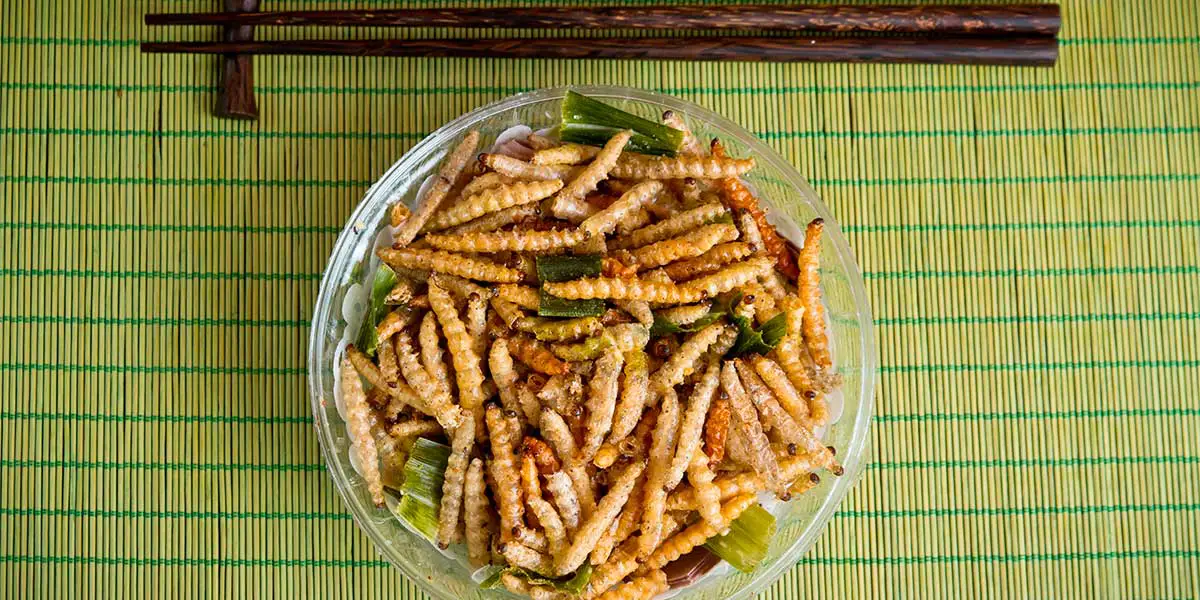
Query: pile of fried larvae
572	438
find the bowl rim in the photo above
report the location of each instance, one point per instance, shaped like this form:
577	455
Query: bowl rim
855	455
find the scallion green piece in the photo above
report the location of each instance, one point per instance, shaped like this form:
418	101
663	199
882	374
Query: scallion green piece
588	121
573	585
761	340
748	539
566	268
553	306
663	327
421	493
385	280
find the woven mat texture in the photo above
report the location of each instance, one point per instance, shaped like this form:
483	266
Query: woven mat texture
1029	238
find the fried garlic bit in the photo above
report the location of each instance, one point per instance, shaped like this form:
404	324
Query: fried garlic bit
809	284
671	227
476	515
623	289
708	262
607	220
447	262
568	204
462	441
501	241
637	166
358	423
565	154
689	245
447	176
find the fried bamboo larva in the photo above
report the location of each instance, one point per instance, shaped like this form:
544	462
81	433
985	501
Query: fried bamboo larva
387	361
517	240
686	314
475	515
663	204
628	336
518	169
607	220
482	182
520	555
692	426
809	290
729	278
707	494
500	364
562	489
709	262
562	392
476	324
689	245
794	359
594	525
403	292
461	345
683	361
638	166
461	443
529	405
565	330
687	540
538	141
638	309
508	312
521	295
535	355
775	285
746	421
621	564
639	219
671	227
739	197
552	524
776	378
777	418
358	423
447	176
765	307
496	220
565	154
750	232
400	391
534	539
791	468
644	587
601	401
504	472
662	447
556	431
413	428
493	200
690	146
623	289
441	407
447	262
399	213
432	357
716	429
568	203
392	322
635	382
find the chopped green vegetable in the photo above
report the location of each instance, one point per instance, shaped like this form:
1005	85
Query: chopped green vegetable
759	341
663	327
747	541
421	493
722	218
588	349
553	306
566	268
573	585
588	121
385	279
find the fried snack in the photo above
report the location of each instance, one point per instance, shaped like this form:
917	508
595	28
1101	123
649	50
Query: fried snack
500	364
716	429
639	588
556	431
662	447
683	361
495	199
621	564
640	166
628	336
750	232
623	289
447	262
692	426
518	169
565	154
507	490
707	494
746	421
399	213
467	373
447	176
482	182
687	540
431	351
789	429
534	539
671	227
601	401
689	245
556	533
686	314
538	141
562	489
776	378
461	443
403	292
413	428
517	240
809	290
387	362
358	424
535	355
565	330
729	278
530	406
440	405
520	555
475	515
400	391
510	314
690	146
739	197
595	524
635	380
568	204
607	220
392	322
523	296
495	220
791	469
708	262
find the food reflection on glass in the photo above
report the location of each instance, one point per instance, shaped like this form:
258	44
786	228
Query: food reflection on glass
588	360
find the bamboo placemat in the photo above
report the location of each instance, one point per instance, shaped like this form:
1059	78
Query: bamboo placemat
1029	239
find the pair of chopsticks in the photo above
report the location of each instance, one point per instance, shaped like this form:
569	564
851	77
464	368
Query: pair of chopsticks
1022	35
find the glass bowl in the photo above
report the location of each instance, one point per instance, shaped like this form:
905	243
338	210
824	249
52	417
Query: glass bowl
792	201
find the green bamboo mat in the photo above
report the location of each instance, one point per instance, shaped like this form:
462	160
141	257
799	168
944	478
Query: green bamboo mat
1029	240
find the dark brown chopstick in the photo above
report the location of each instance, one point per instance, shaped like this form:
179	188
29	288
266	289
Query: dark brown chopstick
1027	51
993	19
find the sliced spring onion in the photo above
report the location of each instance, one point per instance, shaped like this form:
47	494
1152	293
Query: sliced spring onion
553	306
421	493
385	279
663	327
588	121
572	585
759	341
747	541
566	268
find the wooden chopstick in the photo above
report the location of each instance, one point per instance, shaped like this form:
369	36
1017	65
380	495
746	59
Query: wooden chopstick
1021	51
993	19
